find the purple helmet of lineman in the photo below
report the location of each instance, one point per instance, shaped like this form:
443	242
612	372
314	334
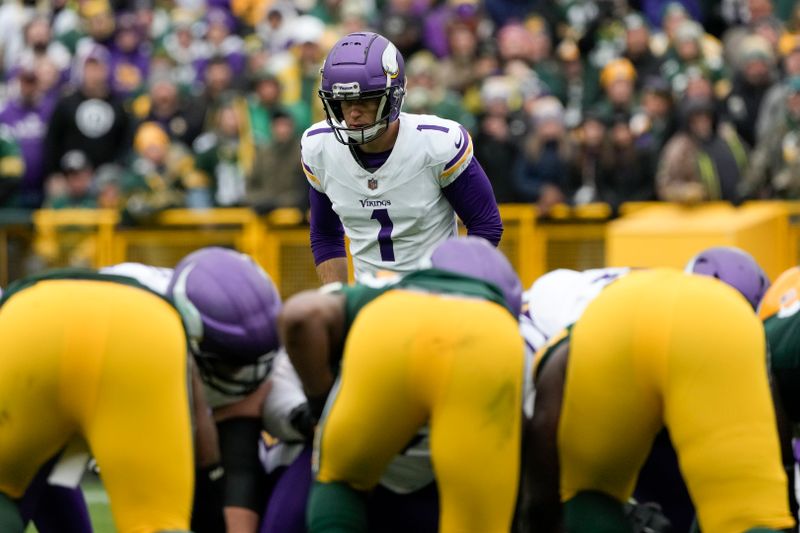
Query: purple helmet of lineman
477	258
229	303
362	65
735	267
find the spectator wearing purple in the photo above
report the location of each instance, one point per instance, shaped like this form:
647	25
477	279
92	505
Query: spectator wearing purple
222	42
655	10
25	118
130	60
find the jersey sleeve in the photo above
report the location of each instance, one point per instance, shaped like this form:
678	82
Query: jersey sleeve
452	151
311	153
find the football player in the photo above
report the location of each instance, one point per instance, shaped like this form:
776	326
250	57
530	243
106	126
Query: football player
110	368
557	299
657	349
232	305
779	312
450	356
393	182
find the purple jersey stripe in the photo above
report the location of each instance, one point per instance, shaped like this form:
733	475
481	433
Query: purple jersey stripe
432	127
318	131
308	168
462	145
385	234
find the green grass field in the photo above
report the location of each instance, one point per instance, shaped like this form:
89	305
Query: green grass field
97	499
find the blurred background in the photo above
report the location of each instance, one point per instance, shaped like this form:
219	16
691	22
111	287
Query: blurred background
141	129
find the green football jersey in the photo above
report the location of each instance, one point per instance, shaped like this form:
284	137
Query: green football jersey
431	280
783	341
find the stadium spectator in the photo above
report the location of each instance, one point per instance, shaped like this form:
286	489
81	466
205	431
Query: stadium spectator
401	22
264	101
277	180
637	49
90	118
459	69
775	162
653	124
184	49
691	48
161	175
772	108
751	81
12	167
130	62
618	79
426	92
226	153
25	118
73	188
221	42
704	160
497	151
587	166
542	172
182	121
38	43
576	83
629	173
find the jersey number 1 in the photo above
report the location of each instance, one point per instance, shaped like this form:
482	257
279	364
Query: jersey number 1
385	233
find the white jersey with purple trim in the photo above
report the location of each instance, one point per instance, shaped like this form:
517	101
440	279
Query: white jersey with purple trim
397	214
557	299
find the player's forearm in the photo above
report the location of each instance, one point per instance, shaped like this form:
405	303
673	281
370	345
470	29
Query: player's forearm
333	270
311	325
241	520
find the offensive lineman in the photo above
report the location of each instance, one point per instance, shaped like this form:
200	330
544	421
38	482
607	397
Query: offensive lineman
450	355
107	373
631	365
392	182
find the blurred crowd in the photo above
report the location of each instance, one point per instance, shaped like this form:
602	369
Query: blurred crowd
142	105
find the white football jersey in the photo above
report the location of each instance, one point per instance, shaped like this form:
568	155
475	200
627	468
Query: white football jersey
397	214
154	278
557	299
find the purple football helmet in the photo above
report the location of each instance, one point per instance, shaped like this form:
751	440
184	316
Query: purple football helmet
477	258
230	307
362	65
735	267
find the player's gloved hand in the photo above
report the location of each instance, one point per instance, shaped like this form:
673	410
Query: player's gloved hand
647	518
303	420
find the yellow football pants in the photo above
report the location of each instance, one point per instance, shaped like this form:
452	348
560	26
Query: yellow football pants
108	362
663	348
454	363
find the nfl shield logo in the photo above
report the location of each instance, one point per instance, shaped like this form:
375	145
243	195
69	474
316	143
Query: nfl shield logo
372	183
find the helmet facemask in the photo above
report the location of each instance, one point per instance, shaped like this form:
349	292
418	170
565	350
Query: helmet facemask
362	66
231	378
388	106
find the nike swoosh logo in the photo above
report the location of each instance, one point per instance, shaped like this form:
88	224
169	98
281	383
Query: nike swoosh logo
460	140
